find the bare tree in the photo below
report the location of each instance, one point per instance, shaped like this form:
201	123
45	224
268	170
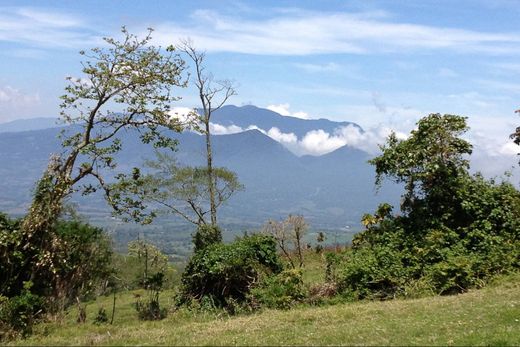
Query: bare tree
289	236
213	94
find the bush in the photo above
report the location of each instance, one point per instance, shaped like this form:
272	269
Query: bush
280	291
18	313
225	273
475	239
151	309
80	261
101	317
205	236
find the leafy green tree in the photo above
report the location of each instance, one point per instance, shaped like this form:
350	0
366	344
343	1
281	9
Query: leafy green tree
455	231
175	189
428	162
127	84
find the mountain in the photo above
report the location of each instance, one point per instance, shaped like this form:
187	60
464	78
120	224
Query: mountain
249	115
332	191
28	124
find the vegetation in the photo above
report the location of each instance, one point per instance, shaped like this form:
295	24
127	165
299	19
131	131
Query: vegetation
55	261
482	317
289	237
455	231
213	95
223	274
80	271
174	189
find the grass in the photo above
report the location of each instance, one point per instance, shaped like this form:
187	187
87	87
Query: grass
489	316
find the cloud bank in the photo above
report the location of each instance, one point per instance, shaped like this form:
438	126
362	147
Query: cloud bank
319	142
297	32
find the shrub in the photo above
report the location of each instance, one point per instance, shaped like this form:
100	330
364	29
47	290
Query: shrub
205	236
226	272
151	309
280	291
17	314
473	241
101	317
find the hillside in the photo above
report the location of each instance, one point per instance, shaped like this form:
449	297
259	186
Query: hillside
489	316
332	191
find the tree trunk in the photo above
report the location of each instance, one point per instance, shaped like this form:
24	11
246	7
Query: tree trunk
211	180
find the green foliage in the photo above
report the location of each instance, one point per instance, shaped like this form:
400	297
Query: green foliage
226	272
143	258
205	236
101	317
456	231
281	291
81	260
150	309
172	188
429	162
18	313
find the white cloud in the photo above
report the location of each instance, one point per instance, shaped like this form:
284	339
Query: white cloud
15	104
285	138
305	32
217	129
186	116
318	68
42	28
283	109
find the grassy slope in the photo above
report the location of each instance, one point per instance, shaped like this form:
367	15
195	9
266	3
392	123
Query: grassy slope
482	317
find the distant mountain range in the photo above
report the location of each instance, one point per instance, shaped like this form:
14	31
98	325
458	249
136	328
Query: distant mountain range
332	191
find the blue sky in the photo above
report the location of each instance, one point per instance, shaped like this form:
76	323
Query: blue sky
382	64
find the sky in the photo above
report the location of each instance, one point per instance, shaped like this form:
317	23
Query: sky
381	64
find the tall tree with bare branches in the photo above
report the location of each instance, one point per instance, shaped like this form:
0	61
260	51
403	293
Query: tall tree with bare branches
213	94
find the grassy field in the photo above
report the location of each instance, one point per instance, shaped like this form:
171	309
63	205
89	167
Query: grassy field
489	316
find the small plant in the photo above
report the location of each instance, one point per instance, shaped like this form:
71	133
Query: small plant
151	309
320	238
101	317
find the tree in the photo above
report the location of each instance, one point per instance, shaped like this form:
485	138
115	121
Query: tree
428	162
171	188
289	236
128	84
456	231
516	135
213	95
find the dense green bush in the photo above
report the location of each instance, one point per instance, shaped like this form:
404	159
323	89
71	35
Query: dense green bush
80	263
280	291
455	231
224	273
18	313
206	235
464	250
